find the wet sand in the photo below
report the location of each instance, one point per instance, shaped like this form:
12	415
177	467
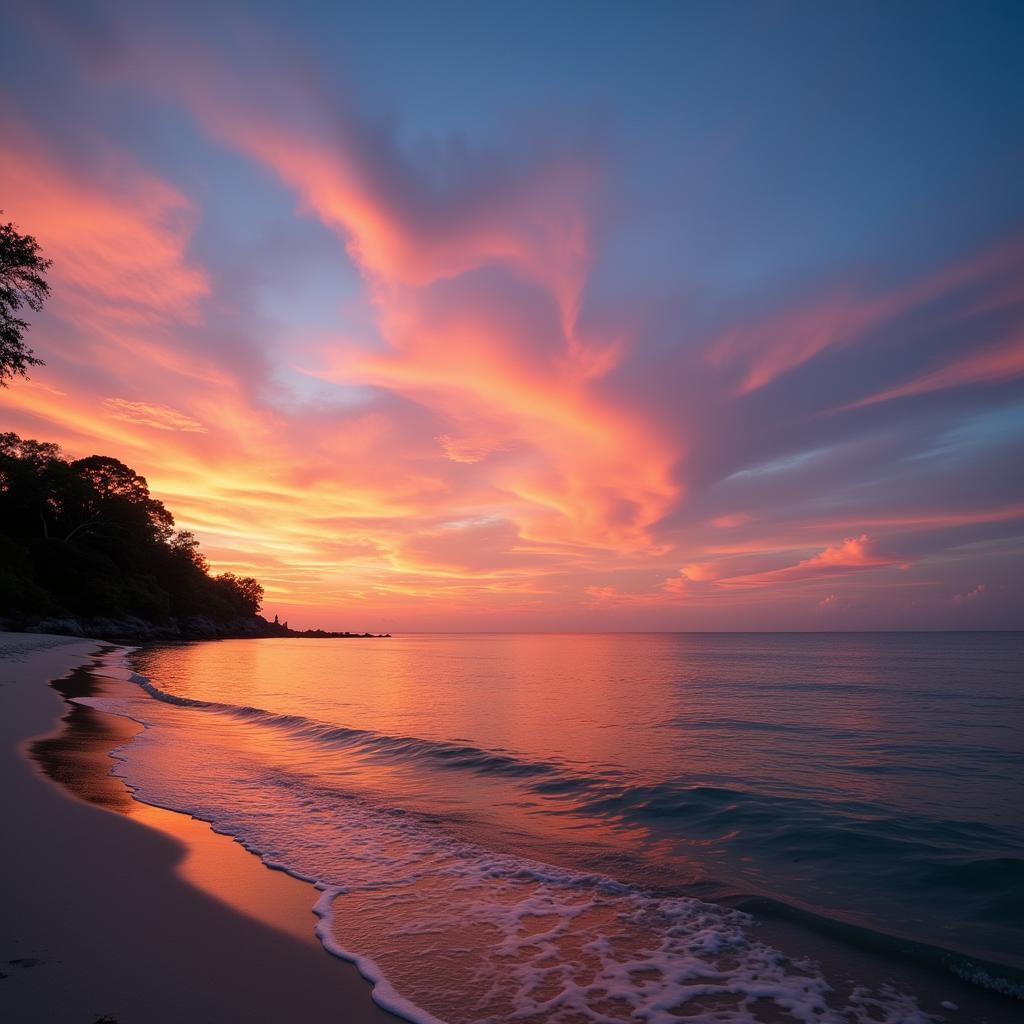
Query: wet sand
116	910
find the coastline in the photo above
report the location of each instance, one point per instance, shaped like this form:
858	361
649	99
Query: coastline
132	630
141	884
114	909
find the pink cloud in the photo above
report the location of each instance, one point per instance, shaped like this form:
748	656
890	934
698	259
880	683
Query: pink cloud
468	449
118	239
474	265
766	349
151	414
854	554
470	445
731	521
703	572
970	595
679	585
1001	363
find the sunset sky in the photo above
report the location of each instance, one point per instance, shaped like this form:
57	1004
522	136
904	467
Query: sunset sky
542	316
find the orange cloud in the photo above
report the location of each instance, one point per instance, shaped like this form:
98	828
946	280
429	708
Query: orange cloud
578	467
466	449
703	572
468	445
612	597
476	282
151	414
679	585
854	551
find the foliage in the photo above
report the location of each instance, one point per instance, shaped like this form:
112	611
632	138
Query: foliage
22	284
86	537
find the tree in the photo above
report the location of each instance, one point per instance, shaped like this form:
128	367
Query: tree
87	537
243	593
184	546
38	489
121	499
22	283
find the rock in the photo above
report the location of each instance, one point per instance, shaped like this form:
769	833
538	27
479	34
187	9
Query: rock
62	627
195	627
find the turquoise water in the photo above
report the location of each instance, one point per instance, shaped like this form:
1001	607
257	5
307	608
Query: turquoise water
624	790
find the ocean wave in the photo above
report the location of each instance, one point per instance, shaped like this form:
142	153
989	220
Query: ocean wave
451	932
445	753
846	838
915	854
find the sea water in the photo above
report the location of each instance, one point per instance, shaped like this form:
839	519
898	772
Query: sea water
560	828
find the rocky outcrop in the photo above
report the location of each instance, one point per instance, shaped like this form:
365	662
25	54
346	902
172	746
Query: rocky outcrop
140	631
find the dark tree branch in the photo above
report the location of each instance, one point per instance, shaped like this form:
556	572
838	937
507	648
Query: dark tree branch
22	284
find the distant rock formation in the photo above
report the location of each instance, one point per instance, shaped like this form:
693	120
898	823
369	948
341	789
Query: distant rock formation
197	627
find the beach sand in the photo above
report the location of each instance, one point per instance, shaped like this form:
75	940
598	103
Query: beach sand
115	910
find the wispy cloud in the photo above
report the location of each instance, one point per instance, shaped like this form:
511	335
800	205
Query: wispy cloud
509	412
150	414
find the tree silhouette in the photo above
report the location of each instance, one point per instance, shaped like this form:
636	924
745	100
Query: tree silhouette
121	498
86	537
22	283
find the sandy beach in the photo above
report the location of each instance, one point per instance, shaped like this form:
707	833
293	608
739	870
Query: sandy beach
117	911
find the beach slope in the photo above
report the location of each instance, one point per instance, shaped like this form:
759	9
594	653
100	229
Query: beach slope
112	916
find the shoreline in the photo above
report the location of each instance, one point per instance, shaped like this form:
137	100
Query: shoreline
73	751
133	631
115	909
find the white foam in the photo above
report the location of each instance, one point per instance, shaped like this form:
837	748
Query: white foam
384	993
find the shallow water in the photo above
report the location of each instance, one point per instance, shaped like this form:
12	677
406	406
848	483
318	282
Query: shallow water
553	828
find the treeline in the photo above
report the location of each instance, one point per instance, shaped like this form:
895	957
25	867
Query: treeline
85	537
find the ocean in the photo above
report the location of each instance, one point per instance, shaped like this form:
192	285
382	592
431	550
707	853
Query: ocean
625	827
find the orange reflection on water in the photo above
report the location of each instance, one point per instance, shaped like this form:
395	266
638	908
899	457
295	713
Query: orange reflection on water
78	758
